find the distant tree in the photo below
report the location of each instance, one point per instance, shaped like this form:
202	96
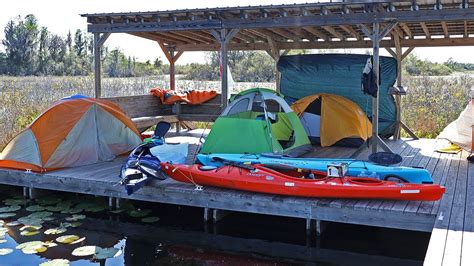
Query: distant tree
21	45
3	63
69	41
43	53
80	43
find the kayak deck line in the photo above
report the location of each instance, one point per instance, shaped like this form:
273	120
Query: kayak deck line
451	219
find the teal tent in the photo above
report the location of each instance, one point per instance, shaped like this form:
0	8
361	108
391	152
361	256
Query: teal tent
340	74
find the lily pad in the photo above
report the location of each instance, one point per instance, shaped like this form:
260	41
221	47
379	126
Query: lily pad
75	217
139	213
49	244
30	221
31	228
12	208
56	262
67	239
28	244
29	233
48	200
5	251
34	249
74	210
151	219
55	208
76	224
7	214
55	231
78	241
105	253
13	223
117	211
40	214
84	251
11	202
35	208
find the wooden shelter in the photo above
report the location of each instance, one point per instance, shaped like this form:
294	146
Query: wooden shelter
393	25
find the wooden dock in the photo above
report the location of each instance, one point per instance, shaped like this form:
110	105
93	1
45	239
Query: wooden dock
451	235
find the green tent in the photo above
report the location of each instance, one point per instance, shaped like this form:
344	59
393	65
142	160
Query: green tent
257	121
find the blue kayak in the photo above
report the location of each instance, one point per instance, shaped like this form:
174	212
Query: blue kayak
355	167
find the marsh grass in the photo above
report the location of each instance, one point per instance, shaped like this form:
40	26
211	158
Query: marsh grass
22	99
430	104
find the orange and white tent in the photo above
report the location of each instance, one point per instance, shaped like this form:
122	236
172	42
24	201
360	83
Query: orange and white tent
72	132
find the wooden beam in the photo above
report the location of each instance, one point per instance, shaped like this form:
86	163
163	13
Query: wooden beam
351	31
402	16
407	52
284	33
391	52
333	32
303	34
407	30
445	29
317	33
466	33
334	44
425	30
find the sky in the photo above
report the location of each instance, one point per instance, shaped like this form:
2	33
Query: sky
60	16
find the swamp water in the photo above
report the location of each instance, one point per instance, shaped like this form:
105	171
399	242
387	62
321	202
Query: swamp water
72	229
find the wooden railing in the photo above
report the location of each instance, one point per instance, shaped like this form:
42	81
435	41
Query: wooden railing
147	110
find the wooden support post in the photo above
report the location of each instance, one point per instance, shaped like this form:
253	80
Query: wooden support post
26	193
376	35
172	57
217	215
112	203
398	100
207	215
274	52
224	78
319	229
118	203
178	113
99	40
223	37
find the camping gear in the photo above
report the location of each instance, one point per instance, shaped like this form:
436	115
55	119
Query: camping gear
255	121
330	119
460	131
300	182
72	132
143	163
369	79
188	96
355	167
340	74
385	158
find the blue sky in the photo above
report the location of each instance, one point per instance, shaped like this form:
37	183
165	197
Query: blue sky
61	16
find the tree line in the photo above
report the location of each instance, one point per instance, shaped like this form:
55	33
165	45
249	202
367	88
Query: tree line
31	49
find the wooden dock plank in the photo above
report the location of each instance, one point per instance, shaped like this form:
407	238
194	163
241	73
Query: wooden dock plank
436	247
467	254
453	247
440	171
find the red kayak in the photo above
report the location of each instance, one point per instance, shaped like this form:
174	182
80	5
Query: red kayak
300	183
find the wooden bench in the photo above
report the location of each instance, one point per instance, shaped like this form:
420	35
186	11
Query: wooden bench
147	110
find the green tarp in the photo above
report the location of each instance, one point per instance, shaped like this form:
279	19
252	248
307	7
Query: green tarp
303	75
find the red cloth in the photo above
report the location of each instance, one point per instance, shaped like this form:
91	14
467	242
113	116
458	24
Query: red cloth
190	97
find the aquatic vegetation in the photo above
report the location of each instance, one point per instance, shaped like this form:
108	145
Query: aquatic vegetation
105	253
29	233
35	208
33	247
84	251
5	251
151	219
7	214
67	239
12	208
55	231
56	262
139	213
